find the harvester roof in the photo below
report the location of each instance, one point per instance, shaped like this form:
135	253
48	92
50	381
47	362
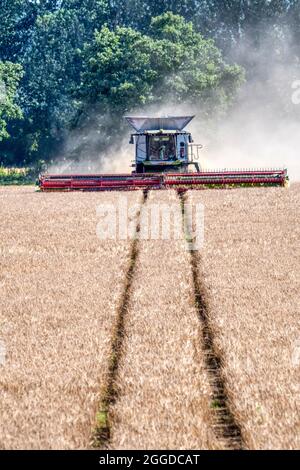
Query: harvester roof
166	123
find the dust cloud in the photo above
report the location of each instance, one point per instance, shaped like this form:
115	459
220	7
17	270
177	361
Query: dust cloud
260	130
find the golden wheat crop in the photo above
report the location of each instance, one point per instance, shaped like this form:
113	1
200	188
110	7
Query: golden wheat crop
251	266
59	292
164	397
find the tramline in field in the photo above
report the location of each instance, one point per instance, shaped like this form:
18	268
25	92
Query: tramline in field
164	156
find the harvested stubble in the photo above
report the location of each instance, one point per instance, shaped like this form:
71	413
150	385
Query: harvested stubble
164	399
60	289
251	266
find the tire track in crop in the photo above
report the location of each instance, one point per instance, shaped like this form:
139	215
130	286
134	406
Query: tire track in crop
109	394
226	426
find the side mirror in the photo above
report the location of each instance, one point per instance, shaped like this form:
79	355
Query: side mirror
131	140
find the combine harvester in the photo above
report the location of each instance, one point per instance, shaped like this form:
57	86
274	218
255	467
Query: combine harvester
164	156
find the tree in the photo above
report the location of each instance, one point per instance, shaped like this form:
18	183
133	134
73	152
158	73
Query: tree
51	71
17	21
236	24
138	13
10	75
293	26
125	69
91	14
142	57
52	66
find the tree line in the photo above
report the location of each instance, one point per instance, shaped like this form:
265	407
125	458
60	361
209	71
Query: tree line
71	65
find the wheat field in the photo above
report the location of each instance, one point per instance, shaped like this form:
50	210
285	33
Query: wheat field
61	290
164	398
250	264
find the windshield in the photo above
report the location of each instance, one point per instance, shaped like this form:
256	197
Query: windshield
162	148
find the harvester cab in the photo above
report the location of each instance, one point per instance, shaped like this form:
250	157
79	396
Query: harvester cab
162	145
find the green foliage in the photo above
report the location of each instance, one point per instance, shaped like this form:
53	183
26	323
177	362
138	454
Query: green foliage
117	68
124	69
16	176
143	53
17	23
138	14
10	75
51	72
52	67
